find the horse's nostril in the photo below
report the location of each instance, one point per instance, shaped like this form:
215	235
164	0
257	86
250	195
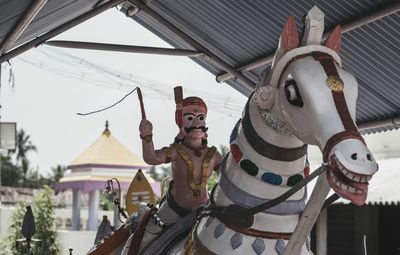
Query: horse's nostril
369	157
354	156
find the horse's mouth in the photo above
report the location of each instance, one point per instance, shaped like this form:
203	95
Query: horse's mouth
347	184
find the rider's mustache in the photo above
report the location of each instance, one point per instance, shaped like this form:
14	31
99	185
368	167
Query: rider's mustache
189	129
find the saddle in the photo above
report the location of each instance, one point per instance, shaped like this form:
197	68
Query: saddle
146	213
167	237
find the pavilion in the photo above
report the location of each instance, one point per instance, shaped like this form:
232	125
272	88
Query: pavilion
106	158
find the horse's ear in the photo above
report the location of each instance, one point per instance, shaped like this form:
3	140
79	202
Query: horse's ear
288	40
334	39
289	37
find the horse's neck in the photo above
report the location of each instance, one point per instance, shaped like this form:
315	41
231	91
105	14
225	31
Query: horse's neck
271	147
256	172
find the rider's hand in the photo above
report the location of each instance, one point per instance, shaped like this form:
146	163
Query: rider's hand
145	128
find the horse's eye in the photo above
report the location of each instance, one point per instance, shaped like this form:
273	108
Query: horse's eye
292	93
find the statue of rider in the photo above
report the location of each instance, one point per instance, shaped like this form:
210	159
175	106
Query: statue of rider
192	161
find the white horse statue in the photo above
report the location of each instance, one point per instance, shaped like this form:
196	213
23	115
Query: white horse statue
306	98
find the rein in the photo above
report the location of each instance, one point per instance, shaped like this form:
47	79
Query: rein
241	218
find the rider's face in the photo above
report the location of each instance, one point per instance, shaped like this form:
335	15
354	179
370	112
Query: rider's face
194	121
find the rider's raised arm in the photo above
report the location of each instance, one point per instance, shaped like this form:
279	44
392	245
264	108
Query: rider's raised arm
150	155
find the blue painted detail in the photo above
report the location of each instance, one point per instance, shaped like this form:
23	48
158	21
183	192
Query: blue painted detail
271	178
234	132
258	246
219	230
236	240
280	246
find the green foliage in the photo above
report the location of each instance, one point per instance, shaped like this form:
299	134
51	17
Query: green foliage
10	173
24	146
45	228
10	246
16	170
212	181
106	202
57	173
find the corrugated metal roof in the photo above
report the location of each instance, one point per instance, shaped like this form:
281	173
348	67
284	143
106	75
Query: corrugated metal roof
52	15
241	32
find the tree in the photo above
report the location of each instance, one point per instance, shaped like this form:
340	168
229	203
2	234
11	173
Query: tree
45	228
11	246
10	173
24	146
57	173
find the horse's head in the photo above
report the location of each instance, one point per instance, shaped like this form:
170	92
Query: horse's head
309	93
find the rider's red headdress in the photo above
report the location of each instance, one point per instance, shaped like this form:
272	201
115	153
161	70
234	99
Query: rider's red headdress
180	103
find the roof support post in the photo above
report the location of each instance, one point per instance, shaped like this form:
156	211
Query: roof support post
41	39
209	55
361	21
22	24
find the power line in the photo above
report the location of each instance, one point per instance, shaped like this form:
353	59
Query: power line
70	66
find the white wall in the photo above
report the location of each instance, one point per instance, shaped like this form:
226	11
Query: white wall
79	241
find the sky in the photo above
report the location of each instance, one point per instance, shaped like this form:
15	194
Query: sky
49	85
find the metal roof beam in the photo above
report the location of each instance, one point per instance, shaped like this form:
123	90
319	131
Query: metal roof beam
361	21
58	30
209	56
394	121
22	24
125	48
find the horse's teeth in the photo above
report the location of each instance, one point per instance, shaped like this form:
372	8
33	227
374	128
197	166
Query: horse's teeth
364	178
351	189
369	177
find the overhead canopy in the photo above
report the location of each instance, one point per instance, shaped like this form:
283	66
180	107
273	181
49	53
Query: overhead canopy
239	38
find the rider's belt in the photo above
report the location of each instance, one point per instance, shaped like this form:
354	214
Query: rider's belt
174	205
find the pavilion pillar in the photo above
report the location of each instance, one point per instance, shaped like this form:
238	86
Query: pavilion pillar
76	209
116	222
94	201
322	233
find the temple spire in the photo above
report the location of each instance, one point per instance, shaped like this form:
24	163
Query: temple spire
106	131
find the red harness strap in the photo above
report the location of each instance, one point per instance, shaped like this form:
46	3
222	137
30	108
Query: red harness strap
351	131
328	63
